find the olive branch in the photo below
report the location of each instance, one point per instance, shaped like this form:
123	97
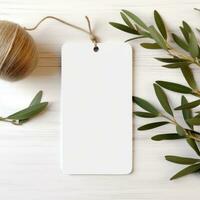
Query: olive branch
22	116
180	58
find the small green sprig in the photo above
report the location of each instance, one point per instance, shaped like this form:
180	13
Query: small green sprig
22	116
189	134
176	59
161	40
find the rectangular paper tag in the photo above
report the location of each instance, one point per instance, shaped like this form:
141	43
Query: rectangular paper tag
96	108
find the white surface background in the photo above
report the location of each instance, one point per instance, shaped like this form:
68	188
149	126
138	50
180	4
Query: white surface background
29	154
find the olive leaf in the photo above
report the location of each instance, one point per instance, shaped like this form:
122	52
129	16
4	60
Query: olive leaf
143	32
180	42
124	28
181	160
193	145
150	46
189	77
135	38
175	87
135	18
187	113
36	100
194	121
168	136
144	114
186	29
181	131
185	34
188	170
193	45
126	20
170	60
152	125
177	65
157	37
160	24
192	104
28	112
162	99
145	105
34	108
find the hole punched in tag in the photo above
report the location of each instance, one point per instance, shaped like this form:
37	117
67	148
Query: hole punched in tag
92	36
96	48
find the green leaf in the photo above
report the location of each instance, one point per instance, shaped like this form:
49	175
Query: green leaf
126	20
186	26
186	29
192	104
185	34
181	160
193	45
174	87
181	131
187	113
135	18
145	114
143	32
168	136
157	37
152	125
194	121
150	45
188	170
177	65
170	60
29	112
162	99
124	28
160	24
180	42
193	144
145	105
188	75
135	38
37	99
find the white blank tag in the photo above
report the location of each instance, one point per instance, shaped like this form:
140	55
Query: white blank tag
96	108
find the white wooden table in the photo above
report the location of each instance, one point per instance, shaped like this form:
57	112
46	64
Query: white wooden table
29	154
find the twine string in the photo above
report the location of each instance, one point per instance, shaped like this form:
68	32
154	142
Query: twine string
92	36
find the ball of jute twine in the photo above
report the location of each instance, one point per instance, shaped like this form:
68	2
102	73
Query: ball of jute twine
18	51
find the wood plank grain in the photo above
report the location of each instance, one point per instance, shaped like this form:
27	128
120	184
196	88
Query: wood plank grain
29	154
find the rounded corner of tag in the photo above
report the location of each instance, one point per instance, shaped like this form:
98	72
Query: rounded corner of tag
128	46
129	171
